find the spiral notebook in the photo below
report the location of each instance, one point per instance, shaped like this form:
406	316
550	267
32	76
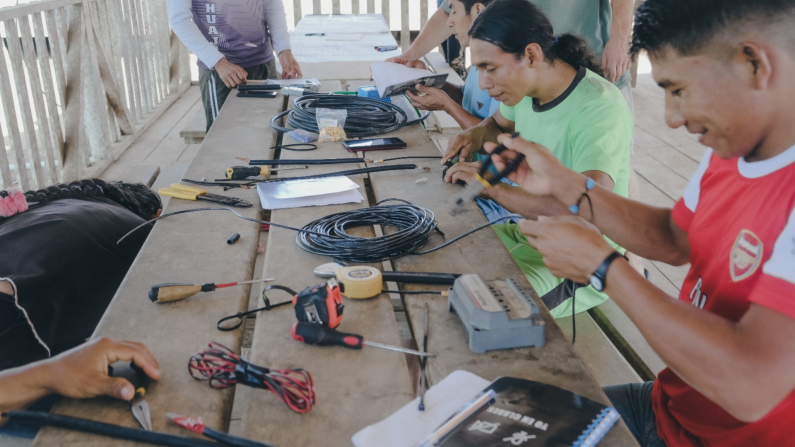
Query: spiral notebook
530	413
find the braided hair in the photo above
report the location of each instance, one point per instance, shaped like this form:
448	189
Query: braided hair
136	197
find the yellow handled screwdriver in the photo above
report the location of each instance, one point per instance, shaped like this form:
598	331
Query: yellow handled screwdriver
242	172
190	193
166	293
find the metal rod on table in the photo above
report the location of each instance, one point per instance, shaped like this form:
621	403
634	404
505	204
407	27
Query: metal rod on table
395	348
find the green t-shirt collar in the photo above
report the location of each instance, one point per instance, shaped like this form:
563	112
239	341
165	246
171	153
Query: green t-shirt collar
551	104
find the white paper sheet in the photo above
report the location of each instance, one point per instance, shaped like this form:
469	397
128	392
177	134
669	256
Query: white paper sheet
408	426
308	187
311	192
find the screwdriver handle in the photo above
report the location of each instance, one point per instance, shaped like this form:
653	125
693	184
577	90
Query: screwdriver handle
241	172
166	293
320	335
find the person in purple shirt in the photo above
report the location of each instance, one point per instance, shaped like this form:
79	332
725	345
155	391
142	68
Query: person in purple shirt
234	40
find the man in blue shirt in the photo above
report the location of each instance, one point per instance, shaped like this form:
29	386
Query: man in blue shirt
468	105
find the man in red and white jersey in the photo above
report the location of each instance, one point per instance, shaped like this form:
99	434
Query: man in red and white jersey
728	71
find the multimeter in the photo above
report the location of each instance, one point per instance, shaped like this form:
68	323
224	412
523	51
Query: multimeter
497	314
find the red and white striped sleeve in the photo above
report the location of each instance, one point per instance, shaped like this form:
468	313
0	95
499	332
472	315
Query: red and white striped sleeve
776	288
685	208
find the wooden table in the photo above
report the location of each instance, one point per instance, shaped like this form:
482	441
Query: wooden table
354	388
186	248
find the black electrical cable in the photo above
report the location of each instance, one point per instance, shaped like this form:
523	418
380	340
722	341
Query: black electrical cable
333	161
414	292
103	429
296	147
414	224
366	117
366	170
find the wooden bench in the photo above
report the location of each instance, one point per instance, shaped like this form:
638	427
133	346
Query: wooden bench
196	129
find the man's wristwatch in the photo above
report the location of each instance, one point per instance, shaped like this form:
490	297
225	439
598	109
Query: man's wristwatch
599	277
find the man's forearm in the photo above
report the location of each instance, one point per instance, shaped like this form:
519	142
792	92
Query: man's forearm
464	119
21	387
431	35
724	360
623	11
455	92
644	230
519	201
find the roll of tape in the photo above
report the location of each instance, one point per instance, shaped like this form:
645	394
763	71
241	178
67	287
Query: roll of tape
360	282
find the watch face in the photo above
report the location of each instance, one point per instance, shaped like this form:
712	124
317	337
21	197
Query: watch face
596	282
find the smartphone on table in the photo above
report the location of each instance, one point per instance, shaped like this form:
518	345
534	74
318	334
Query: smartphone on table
374	144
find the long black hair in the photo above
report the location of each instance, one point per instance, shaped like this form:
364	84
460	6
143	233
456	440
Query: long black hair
468	4
136	197
512	25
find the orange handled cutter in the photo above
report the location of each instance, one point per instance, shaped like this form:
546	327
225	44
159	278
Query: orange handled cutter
190	193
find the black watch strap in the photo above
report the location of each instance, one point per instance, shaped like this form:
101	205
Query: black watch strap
601	271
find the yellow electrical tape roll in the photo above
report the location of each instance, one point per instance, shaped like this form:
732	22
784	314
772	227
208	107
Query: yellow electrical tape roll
360	282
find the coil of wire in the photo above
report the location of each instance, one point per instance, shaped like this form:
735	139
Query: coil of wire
328	236
367	117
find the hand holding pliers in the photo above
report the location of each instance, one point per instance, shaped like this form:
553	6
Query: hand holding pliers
483	181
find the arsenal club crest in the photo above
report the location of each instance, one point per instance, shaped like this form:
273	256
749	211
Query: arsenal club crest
746	255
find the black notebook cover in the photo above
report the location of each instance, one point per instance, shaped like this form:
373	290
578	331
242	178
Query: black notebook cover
527	413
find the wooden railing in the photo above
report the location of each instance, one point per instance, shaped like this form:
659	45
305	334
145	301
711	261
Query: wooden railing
80	80
402	27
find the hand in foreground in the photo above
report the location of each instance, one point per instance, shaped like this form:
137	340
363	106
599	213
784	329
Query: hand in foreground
463	170
408	61
465	144
232	75
82	372
572	247
290	67
433	99
615	57
540	173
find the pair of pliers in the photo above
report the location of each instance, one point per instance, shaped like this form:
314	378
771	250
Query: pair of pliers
140	381
473	189
190	193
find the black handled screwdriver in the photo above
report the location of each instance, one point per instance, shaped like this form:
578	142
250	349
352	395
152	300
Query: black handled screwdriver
321	335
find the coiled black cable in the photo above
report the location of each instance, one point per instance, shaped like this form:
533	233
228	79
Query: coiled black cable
367	117
327	236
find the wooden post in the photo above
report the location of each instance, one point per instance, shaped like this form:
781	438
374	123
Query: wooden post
106	73
385	12
11	121
21	81
44	134
75	138
297	15
405	30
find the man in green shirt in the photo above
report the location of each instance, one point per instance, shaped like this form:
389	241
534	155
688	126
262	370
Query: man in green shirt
550	96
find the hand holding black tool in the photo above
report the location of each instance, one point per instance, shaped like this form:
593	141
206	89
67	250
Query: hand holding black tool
320	335
140	381
473	189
